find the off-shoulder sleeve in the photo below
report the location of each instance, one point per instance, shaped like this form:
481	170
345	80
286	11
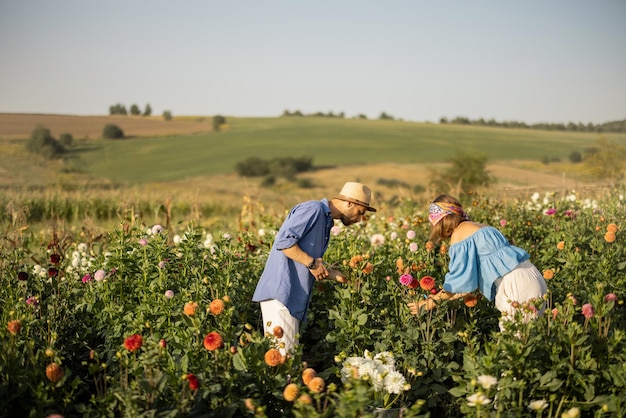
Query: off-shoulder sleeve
463	269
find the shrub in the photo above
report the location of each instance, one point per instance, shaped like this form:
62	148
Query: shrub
466	172
575	157
252	167
167	115
218	120
41	142
66	139
112	131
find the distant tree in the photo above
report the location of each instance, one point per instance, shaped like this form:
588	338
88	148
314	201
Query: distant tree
167	115
297	113
605	160
218	121
443	120
111	131
466	172
252	167
66	139
361	116
148	110
117	109
575	157
134	110
41	142
286	113
385	116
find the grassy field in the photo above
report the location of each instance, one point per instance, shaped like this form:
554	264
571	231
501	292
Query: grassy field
182	162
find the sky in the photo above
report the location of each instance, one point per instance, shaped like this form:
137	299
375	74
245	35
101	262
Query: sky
530	61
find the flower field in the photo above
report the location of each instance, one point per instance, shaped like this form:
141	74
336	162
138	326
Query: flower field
157	322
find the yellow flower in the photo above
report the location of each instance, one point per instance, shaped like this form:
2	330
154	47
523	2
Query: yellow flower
307	375
290	392
316	385
609	236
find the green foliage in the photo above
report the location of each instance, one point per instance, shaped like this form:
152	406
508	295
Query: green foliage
575	157
466	172
606	159
118	109
167	115
218	121
41	142
134	110
111	131
148	110
65	139
286	167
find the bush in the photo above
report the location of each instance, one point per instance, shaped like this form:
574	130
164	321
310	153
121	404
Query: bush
41	142
218	121
66	139
466	172
167	115
286	167
111	131
252	167
575	157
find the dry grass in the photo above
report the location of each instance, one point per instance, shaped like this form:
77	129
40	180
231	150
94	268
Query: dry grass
20	126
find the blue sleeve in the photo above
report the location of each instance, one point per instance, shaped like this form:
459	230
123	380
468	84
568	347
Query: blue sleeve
463	269
298	223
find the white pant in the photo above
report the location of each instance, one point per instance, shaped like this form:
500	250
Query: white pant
520	285
276	314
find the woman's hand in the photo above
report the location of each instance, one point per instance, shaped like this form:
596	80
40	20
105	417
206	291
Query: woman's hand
426	304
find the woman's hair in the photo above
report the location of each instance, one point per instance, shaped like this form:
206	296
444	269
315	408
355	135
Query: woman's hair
447	224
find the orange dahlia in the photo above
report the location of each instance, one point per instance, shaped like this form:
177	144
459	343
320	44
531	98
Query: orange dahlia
290	393
354	261
369	267
190	308
14	326
470	300
429	246
443	249
609	236
611	227
273	357
134	342
548	274
278	331
216	307
560	245
213	341
316	385
249	403
427	283
54	372
305	399
308	374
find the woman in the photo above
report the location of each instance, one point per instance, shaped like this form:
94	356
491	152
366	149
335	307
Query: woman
482	259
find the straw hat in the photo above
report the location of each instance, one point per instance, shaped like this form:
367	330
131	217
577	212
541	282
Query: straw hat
356	193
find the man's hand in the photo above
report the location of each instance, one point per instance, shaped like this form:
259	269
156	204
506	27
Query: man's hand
337	275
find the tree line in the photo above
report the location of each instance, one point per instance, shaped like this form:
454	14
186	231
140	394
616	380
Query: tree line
618	126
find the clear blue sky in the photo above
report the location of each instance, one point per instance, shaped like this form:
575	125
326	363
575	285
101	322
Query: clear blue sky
530	61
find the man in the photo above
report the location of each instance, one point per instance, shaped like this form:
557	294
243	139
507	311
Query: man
295	260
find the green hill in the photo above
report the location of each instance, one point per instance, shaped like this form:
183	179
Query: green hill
331	142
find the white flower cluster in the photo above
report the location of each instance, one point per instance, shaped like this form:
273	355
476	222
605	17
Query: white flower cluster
378	369
81	262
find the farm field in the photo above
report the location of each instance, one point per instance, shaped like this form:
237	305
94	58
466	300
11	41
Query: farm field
152	321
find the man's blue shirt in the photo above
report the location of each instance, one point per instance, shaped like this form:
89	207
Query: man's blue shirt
308	224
